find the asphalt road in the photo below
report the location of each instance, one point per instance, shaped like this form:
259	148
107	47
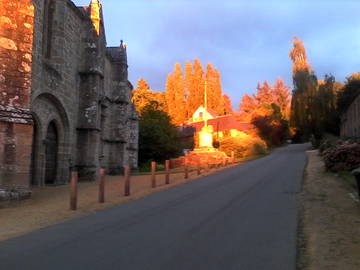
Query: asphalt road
242	218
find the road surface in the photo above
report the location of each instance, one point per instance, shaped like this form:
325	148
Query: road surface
244	217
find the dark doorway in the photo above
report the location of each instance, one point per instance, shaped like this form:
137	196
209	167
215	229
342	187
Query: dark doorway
34	154
51	154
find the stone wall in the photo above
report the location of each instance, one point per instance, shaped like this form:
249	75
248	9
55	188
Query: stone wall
16	37
350	122
64	96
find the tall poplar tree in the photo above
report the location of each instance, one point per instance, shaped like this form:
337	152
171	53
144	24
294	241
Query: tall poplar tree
227	105
175	96
185	91
196	88
303	111
214	92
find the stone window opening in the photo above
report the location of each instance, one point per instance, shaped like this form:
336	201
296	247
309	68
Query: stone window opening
51	152
48	17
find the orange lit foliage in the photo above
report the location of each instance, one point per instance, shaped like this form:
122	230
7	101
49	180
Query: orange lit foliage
298	56
227	104
260	104
185	91
243	145
143	96
175	96
268	110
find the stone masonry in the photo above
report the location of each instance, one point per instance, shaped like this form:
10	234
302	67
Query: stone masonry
64	96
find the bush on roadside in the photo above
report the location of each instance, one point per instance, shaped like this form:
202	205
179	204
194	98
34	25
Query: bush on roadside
243	145
343	156
327	142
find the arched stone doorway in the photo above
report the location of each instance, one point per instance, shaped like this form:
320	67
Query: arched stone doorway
51	144
51	152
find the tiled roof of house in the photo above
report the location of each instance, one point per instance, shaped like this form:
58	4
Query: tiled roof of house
222	123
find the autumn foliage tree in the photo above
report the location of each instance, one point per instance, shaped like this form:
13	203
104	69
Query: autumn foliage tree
260	104
185	91
143	96
176	96
313	107
268	110
303	117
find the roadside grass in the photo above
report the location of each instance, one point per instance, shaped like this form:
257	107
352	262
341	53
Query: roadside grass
345	176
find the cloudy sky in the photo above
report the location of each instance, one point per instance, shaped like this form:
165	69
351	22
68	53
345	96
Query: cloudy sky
248	41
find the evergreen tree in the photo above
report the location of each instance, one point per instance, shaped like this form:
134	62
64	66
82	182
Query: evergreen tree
326	109
158	137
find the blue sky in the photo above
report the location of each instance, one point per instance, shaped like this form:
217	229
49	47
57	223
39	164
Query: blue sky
247	41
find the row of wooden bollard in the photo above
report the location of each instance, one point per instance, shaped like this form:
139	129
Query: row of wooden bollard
127	173
153	173
102	174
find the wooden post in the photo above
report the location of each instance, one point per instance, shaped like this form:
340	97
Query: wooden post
102	174
232	156
199	167
186	169
153	174
167	172
73	190
223	162
127	180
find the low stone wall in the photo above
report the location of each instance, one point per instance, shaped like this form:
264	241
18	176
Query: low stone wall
15	194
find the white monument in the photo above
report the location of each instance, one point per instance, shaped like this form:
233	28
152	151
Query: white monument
206	133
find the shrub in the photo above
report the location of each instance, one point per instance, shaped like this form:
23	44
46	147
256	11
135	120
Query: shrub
327	142
243	145
344	156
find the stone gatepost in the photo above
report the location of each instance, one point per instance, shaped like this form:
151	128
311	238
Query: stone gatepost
16	125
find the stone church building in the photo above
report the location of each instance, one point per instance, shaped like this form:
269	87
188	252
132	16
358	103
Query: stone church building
65	98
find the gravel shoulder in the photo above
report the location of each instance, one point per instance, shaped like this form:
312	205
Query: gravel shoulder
329	225
50	205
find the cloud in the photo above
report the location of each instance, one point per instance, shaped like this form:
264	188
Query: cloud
248	41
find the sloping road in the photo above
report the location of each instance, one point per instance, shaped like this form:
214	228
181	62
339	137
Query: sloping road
242	218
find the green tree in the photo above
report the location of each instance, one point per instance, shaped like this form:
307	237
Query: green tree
326	107
348	92
158	137
272	127
303	107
